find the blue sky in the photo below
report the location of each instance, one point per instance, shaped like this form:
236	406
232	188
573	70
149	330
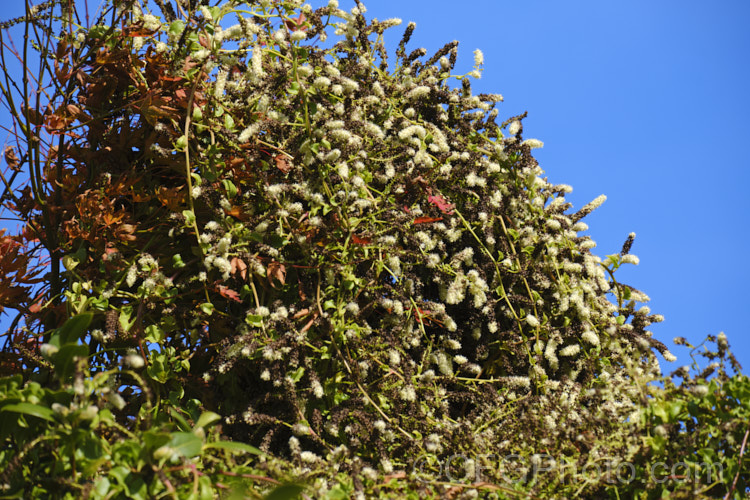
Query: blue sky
644	101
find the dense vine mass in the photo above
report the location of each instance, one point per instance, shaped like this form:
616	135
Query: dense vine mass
278	257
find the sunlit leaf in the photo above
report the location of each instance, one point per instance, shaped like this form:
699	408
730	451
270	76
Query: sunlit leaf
233	446
30	409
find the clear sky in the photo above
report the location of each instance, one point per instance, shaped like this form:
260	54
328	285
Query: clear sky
645	101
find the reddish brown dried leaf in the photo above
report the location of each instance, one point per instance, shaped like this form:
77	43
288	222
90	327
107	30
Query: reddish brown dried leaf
361	241
171	198
124	232
58	120
276	273
137	30
229	293
11	159
33	116
75	112
236	212
441	203
283	163
308	325
296	24
238	266
301	313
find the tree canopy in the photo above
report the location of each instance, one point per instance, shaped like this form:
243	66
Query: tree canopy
261	257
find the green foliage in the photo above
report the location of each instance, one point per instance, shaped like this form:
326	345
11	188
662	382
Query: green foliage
693	432
68	443
289	266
